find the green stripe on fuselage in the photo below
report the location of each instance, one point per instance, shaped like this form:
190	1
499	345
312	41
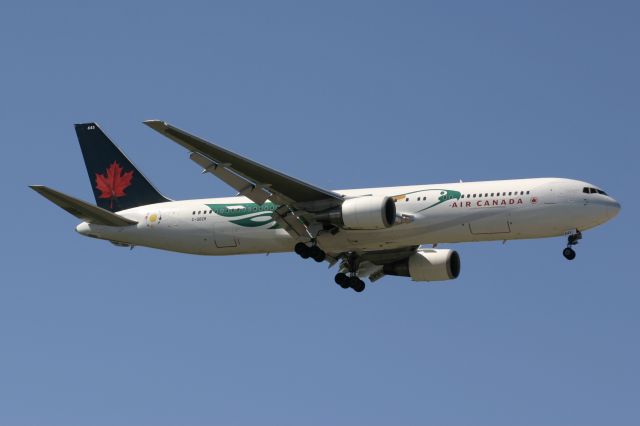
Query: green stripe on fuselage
246	213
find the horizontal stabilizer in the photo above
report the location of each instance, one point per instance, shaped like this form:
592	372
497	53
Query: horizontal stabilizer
81	209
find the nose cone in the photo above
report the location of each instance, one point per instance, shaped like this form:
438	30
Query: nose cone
614	208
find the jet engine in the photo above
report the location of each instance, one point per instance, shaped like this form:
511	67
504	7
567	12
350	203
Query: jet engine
362	213
427	265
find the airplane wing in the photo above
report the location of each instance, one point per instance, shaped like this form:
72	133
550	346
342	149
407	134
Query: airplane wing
255	181
284	189
81	209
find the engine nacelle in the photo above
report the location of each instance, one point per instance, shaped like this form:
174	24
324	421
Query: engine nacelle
375	212
427	265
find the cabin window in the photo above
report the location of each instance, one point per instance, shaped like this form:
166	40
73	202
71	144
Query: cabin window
474	195
462	196
194	212
407	199
528	192
521	192
486	195
509	193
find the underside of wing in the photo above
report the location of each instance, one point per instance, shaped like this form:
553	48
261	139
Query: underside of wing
420	264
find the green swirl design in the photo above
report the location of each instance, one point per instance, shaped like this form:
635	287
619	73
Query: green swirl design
246	213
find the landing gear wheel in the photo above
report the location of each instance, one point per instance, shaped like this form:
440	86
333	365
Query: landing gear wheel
301	248
359	287
356	284
317	254
569	253
342	280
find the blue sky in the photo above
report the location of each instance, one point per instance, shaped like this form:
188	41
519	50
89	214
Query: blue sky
341	94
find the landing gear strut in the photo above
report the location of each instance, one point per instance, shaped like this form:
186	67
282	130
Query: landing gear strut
569	253
314	252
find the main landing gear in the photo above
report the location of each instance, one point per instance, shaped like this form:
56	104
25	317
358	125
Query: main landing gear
314	252
346	281
350	265
569	253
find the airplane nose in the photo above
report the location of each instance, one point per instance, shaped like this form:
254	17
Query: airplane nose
614	208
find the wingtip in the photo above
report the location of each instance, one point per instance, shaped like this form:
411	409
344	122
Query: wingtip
40	189
155	124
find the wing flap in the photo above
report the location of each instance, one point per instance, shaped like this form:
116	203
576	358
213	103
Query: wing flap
291	222
255	192
81	209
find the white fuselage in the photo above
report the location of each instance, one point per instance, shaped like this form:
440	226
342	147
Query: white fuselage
442	213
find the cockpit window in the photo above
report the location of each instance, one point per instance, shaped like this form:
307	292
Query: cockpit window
587	190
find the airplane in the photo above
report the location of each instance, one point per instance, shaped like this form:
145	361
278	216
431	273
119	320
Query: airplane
368	233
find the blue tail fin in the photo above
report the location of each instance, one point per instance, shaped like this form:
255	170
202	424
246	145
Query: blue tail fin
116	183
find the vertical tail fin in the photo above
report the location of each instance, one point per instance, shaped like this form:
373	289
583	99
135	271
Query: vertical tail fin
116	183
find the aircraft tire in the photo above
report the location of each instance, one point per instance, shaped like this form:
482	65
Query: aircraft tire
342	280
356	284
569	253
317	254
359	287
301	248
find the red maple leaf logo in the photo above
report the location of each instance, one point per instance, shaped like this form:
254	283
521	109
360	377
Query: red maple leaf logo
112	185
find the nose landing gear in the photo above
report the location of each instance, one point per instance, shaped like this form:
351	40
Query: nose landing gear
569	253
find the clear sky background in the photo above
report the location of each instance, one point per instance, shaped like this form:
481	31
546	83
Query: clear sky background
341	94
